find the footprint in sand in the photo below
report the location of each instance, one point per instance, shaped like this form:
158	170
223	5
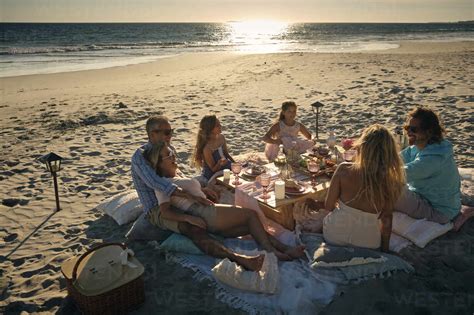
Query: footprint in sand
93	153
11	202
18	262
47	283
10	238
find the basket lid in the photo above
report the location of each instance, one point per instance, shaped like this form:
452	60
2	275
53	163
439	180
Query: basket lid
103	270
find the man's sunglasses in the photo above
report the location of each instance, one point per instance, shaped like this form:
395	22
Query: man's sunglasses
166	132
412	129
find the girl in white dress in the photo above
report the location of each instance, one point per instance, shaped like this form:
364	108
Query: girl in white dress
285	131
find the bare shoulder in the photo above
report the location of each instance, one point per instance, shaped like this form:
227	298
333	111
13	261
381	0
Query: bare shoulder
221	139
275	127
207	148
343	169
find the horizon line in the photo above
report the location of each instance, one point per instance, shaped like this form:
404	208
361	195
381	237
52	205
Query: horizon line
236	21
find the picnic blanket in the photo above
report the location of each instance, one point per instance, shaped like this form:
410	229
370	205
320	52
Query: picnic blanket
302	289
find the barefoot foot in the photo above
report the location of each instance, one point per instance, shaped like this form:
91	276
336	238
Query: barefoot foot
296	252
465	214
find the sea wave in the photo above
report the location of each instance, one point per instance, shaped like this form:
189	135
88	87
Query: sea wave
99	47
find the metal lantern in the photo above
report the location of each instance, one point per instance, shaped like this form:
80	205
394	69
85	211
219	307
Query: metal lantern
316	106
52	161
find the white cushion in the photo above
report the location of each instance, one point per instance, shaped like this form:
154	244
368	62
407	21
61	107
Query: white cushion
124	207
420	232
264	281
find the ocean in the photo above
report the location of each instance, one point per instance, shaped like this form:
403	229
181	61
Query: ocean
35	48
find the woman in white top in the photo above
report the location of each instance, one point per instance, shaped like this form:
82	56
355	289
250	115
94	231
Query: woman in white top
285	131
362	194
194	220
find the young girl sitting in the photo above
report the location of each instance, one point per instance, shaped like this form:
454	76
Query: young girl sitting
194	220
211	152
285	131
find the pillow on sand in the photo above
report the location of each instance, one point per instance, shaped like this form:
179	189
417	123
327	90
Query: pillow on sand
180	244
123	207
393	263
264	281
143	230
338	256
420	232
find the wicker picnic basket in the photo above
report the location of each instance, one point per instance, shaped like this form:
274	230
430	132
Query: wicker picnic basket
106	279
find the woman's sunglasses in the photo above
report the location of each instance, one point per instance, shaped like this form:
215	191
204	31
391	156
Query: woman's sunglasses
170	154
412	129
166	132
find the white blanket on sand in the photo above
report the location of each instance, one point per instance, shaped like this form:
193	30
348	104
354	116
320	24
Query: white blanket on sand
302	290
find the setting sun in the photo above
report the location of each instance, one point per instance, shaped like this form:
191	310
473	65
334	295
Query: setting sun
260	36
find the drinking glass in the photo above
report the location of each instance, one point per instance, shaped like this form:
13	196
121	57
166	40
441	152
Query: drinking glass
236	167
313	168
265	182
349	155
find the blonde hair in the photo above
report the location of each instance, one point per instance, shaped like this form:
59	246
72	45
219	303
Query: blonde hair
379	163
153	155
206	126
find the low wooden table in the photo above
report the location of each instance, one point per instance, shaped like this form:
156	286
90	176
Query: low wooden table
281	210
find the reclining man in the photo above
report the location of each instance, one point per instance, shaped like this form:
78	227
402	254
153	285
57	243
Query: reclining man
149	185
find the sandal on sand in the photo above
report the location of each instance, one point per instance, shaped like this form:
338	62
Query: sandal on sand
465	214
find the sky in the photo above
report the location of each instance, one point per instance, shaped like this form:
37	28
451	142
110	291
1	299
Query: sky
236	10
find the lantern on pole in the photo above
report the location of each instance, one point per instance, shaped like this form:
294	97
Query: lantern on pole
52	161
316	106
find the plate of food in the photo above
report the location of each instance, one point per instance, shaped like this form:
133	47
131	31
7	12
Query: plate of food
254	170
293	188
323	151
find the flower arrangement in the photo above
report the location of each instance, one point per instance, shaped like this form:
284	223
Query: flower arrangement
347	143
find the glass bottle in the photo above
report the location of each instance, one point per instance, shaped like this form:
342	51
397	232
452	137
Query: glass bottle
280	160
331	141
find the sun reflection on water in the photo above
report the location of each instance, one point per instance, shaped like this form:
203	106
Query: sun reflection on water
258	36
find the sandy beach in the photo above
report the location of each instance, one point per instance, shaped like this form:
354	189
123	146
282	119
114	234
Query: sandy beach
95	120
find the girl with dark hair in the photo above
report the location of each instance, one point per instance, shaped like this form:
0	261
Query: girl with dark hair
285	131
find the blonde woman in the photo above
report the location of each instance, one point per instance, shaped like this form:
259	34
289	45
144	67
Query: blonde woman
362	194
194	219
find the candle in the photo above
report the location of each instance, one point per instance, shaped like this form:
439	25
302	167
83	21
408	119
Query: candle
280	189
227	174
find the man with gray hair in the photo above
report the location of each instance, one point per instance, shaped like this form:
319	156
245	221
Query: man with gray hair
144	177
